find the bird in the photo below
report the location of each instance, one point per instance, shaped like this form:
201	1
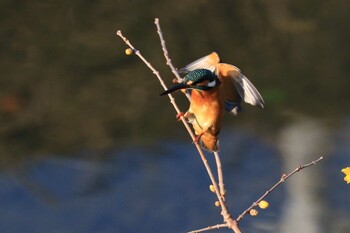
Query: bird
214	88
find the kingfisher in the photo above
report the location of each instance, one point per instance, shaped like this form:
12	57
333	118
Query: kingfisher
214	88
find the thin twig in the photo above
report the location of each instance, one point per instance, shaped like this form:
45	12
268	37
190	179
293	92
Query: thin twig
165	51
232	224
220	175
156	73
283	178
179	79
166	55
218	226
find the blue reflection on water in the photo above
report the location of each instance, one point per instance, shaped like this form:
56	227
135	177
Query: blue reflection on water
151	189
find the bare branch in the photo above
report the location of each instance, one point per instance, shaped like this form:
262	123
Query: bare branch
218	226
220	175
137	52
165	51
284	177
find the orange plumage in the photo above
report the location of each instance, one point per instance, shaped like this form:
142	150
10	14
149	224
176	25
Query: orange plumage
205	113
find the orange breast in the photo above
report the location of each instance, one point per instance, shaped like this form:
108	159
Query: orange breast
207	108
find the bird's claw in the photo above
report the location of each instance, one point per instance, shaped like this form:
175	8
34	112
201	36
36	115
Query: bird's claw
196	139
179	115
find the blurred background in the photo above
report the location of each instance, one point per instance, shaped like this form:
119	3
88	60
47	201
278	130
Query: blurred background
87	145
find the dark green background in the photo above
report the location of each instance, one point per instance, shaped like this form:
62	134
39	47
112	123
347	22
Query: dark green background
70	86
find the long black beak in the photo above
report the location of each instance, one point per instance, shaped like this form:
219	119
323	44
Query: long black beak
175	88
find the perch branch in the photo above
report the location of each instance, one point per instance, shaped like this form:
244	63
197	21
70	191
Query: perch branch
284	177
232	224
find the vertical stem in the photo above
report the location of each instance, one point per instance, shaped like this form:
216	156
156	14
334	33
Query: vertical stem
220	175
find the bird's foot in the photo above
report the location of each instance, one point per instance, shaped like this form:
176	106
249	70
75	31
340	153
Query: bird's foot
179	115
197	138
